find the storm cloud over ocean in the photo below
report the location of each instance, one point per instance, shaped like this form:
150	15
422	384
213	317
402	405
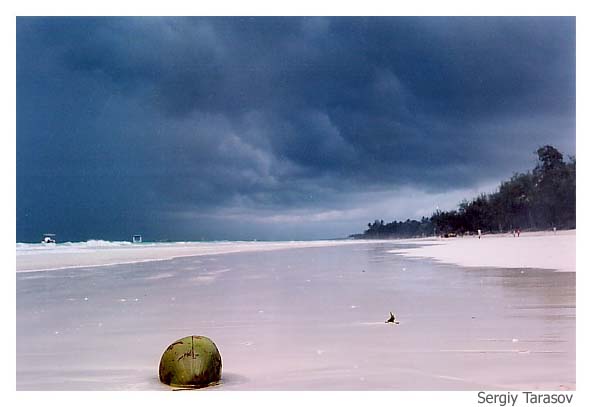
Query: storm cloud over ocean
277	128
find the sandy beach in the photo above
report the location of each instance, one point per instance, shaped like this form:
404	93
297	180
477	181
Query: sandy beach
304	318
543	250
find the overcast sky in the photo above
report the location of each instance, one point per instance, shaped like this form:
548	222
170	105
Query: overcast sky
277	128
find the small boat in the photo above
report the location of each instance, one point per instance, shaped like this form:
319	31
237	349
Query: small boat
48	238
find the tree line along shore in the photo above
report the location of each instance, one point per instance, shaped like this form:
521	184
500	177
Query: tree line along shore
541	199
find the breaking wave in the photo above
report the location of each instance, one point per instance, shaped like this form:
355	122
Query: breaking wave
68	246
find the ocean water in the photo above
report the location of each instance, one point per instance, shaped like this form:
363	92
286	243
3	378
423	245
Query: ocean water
97	244
310	318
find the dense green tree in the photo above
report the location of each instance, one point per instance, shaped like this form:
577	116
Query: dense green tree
539	199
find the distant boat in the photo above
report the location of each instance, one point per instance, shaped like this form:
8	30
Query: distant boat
48	238
137	239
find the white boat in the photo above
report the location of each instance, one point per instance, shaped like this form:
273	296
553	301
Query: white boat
48	238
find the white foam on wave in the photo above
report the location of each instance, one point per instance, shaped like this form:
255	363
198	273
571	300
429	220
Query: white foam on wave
20	247
99	243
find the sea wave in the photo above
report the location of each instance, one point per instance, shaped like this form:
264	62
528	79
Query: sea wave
68	246
31	248
99	243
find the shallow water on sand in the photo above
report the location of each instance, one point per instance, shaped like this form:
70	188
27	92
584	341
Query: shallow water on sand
308	319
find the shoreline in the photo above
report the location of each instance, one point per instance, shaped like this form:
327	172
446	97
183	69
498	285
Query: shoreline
58	258
540	250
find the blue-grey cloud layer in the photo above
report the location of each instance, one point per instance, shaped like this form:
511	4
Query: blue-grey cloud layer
188	128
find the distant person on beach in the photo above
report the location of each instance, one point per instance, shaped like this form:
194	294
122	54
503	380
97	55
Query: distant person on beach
479	233
518	232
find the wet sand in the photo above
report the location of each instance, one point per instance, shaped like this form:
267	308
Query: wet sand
300	319
38	257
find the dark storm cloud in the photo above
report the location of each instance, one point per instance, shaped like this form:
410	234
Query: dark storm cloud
125	122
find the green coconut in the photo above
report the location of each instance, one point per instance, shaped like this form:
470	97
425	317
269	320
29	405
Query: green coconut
193	361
